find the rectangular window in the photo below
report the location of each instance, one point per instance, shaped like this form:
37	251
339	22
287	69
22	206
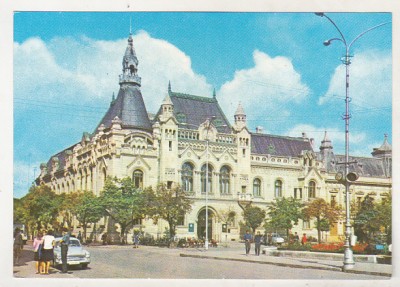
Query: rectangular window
243	189
359	202
244	152
169	184
181	219
306	224
298	193
170	145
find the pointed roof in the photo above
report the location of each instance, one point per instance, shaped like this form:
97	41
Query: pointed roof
384	149
239	110
326	142
129	107
167	100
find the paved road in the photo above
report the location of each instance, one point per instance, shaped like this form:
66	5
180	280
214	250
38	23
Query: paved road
164	263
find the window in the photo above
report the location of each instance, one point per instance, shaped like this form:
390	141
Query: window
311	189
298	193
256	187
306	224
204	178
181	219
359	202
333	200
187	177
278	188
170	145
225	180
138	178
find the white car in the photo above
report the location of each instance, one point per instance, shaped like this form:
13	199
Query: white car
277	239
76	256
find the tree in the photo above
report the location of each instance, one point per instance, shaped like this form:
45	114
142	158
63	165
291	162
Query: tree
89	209
121	202
371	217
227	216
323	212
253	217
284	213
68	202
42	206
384	217
168	204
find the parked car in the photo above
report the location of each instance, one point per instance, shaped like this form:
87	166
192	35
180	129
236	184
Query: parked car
76	256
277	239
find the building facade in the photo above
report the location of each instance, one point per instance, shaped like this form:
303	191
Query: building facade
189	142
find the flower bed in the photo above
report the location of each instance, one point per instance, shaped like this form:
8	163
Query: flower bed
338	248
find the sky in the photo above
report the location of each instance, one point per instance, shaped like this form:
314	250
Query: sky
66	67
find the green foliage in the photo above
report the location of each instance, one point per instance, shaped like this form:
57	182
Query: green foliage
323	212
371	217
88	209
253	216
121	201
284	213
41	207
168	204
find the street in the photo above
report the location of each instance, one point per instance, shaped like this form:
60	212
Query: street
163	263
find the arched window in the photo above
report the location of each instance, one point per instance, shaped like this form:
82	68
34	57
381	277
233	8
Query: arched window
311	189
278	188
257	187
138	178
204	178
187	177
225	180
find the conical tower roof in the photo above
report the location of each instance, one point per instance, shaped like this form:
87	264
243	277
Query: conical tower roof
129	106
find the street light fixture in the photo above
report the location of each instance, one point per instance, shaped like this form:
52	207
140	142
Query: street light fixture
348	262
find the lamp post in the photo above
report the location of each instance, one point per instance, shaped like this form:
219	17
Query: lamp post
209	121
348	262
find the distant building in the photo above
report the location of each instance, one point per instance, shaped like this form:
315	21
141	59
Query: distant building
174	146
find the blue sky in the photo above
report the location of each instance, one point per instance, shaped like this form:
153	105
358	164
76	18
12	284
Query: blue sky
66	68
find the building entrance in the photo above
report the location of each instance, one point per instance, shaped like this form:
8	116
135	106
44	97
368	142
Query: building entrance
201	224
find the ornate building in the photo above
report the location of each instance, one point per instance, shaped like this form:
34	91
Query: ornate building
190	136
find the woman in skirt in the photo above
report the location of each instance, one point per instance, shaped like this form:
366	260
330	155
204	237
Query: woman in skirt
37	243
47	251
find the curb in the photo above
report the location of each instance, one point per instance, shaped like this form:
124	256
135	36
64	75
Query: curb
337	269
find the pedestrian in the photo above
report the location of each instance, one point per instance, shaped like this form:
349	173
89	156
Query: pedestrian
48	251
247	241
257	243
79	236
37	246
104	238
136	240
304	239
18	245
296	238
64	251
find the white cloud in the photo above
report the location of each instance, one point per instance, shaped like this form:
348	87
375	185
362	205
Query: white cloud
335	135
370	80
87	70
268	85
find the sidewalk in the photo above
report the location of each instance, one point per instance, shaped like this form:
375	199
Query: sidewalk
235	252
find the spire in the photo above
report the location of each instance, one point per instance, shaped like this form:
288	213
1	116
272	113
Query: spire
169	87
239	110
326	142
240	117
384	150
130	65
214	94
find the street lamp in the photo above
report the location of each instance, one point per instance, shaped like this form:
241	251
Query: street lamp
348	262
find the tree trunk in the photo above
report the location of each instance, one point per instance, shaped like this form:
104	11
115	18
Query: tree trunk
122	233
319	229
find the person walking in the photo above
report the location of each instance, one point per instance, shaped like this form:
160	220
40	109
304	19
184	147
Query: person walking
296	238
247	241
47	252
257	243
64	251
18	245
37	243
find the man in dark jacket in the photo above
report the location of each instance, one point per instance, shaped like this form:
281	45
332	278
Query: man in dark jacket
64	251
